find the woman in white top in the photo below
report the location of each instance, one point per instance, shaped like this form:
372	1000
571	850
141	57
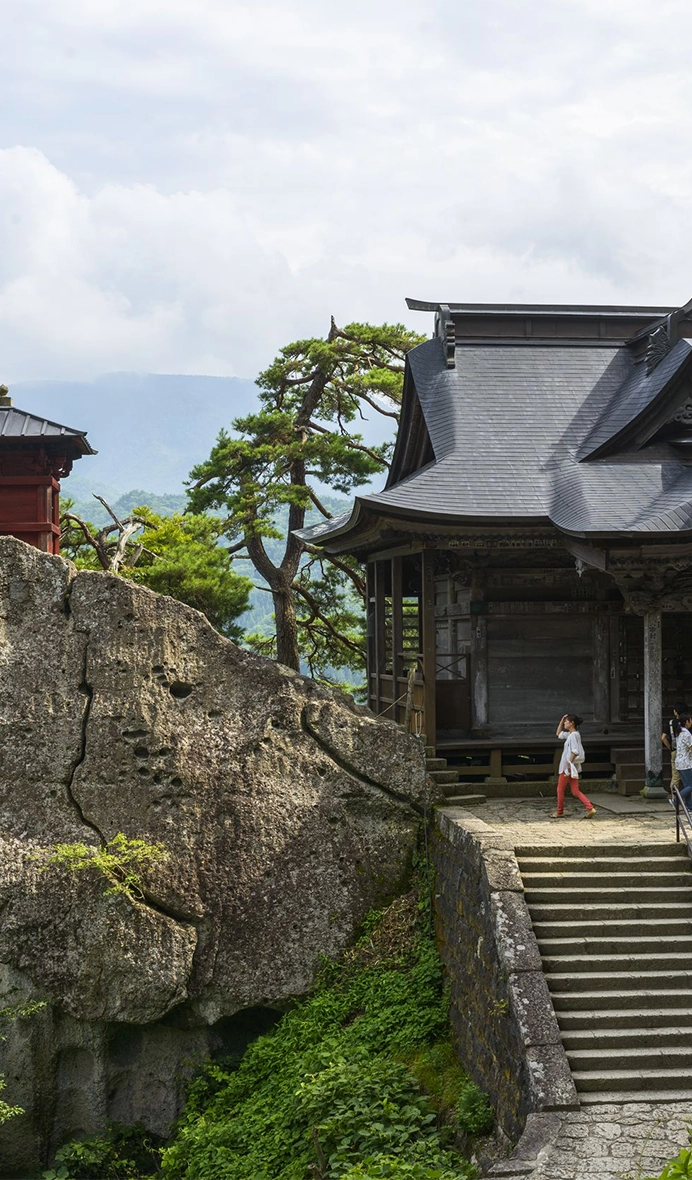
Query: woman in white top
683	756
570	765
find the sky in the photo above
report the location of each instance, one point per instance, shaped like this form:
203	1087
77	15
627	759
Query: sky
188	185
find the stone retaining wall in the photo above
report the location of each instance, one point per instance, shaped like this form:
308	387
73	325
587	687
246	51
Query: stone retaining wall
504	1025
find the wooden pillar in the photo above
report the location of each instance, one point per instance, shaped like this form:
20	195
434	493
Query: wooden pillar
479	655
653	707
397	637
614	626
380	658
370	622
429	644
601	669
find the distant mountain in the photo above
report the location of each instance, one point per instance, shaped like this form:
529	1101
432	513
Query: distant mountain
149	429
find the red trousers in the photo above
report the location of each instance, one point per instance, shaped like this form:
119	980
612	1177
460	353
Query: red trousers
563	782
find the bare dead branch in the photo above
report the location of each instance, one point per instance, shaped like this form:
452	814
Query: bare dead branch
319	505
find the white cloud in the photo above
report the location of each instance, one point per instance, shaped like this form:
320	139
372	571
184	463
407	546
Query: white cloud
199	181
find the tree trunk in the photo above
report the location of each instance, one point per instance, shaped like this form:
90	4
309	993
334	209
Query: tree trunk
286	627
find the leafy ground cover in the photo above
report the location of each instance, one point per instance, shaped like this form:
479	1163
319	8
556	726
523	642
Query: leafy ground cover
358	1082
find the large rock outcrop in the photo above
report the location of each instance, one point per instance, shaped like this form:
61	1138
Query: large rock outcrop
286	810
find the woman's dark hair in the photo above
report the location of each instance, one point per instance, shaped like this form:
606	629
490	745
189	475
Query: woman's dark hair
576	721
684	718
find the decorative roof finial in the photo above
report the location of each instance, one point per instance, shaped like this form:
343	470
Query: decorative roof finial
5	399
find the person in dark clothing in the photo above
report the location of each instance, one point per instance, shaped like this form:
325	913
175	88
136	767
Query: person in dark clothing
670	741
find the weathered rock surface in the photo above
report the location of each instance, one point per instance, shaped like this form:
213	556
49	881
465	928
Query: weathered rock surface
287	812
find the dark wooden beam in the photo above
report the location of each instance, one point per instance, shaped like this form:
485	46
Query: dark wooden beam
397	632
379	634
601	668
429	644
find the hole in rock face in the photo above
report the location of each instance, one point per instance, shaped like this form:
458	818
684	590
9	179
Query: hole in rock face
179	689
230	1036
125	1044
141	752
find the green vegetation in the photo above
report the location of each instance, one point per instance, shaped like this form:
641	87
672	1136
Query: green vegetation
6	1111
182	557
303	439
120	861
176	555
123	1153
15	1012
678	1169
358	1082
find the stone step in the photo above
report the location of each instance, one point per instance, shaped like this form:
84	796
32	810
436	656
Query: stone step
598	999
622	753
598	1039
459	788
631	785
626	1080
615	927
463	800
445	776
435	764
673	1057
659	944
633	961
580	894
678	878
603	911
600	864
430	751
634	1019
650	1097
633	982
572	851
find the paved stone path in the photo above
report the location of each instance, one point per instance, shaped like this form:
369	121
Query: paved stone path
623	1142
630	1142
617	819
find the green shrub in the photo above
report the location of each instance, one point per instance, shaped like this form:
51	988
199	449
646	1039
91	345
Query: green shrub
122	1153
120	861
437	1069
678	1169
337	1089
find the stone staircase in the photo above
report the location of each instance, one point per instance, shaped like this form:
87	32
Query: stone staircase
614	929
630	771
447	778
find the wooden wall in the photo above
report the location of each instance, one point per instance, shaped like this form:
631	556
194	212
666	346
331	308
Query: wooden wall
540	666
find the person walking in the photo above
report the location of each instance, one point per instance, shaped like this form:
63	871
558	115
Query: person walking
571	763
683	756
670	740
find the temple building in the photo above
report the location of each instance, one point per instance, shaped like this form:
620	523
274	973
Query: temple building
531	552
35	454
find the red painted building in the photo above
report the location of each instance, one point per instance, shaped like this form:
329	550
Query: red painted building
35	454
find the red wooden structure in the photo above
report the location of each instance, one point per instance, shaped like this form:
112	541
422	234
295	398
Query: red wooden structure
35	454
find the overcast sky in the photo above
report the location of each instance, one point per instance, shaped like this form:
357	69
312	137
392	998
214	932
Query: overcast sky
186	185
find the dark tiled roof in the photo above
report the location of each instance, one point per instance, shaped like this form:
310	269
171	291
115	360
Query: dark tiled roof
17	424
509	425
633	398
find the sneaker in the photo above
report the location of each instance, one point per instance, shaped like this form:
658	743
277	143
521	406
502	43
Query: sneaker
558	815
590	814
